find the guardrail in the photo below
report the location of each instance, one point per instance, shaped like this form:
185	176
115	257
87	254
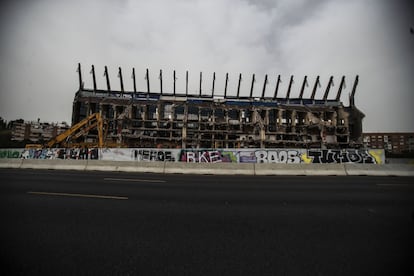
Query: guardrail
212	168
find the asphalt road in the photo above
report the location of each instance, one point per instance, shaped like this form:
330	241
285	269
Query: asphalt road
103	223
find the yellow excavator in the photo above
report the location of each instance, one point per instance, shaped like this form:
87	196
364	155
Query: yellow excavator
82	128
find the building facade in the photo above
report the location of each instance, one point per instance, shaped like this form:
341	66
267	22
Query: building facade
172	120
391	142
36	132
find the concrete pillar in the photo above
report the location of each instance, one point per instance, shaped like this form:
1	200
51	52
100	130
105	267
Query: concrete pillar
114	108
144	112
266	118
262	138
334	118
280	117
88	108
293	118
184	136
116	126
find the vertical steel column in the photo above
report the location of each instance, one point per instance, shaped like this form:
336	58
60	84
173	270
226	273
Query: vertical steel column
133	80
121	80
93	78
328	87
160	77
147	78
80	76
108	84
277	87
238	86
225	86
352	98
315	86
264	87
251	87
214	80
174	78
289	88
341	86
305	83
186	83
201	79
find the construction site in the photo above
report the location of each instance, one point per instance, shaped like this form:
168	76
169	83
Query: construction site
222	119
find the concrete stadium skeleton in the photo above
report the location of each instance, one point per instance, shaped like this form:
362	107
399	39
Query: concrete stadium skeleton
187	120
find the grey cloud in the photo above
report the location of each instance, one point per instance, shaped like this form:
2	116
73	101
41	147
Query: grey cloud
42	41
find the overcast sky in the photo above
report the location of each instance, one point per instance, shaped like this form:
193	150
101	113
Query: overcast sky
43	40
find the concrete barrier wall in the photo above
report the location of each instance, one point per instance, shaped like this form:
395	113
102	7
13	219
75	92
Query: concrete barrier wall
300	169
385	170
10	163
242	155
55	164
213	168
209	168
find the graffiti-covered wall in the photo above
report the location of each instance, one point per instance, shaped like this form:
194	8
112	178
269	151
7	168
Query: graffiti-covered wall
55	153
286	156
283	156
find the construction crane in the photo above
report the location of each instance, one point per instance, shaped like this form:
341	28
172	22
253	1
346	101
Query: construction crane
80	129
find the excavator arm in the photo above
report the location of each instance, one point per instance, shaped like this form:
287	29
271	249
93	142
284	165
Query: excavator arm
79	129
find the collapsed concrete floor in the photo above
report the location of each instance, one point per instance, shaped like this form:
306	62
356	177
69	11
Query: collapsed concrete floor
171	122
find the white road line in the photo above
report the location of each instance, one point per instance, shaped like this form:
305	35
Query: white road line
79	195
135	180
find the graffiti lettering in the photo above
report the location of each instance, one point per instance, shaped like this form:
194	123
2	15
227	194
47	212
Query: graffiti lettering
341	156
69	153
278	156
9	154
285	156
203	157
153	155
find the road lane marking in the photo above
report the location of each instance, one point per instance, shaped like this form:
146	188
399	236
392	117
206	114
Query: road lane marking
135	180
79	195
